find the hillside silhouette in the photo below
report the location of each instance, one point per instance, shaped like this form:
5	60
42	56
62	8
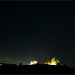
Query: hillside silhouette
36	69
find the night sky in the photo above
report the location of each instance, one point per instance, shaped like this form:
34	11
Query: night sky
37	31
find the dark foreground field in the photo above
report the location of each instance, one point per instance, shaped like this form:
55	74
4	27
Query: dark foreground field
36	69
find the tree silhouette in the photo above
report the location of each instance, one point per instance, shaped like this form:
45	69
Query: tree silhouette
20	64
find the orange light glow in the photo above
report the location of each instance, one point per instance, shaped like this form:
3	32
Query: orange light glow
33	62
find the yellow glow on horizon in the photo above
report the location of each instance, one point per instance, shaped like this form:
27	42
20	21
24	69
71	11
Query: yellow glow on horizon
33	62
53	61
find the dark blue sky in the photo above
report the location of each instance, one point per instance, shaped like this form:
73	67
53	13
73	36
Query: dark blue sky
37	31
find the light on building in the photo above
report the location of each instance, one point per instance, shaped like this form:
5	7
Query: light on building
53	61
33	62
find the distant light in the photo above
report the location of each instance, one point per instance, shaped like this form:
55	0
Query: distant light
0	64
53	61
33	62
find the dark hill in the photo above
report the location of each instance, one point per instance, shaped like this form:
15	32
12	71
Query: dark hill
36	69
